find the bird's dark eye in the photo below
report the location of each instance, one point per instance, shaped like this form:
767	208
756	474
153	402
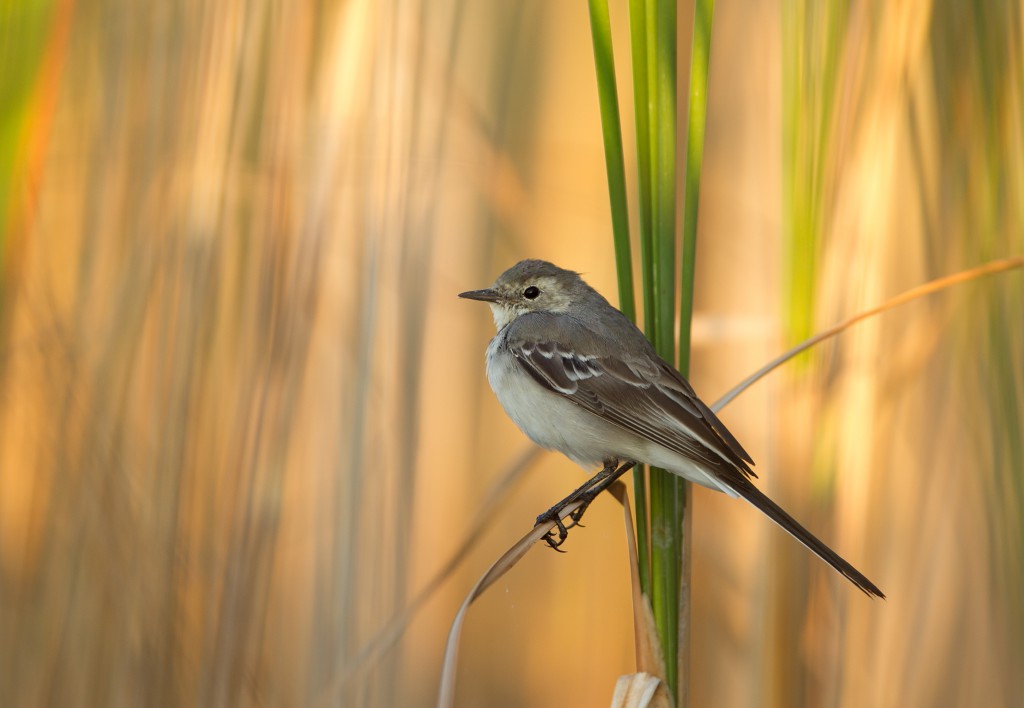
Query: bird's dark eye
531	292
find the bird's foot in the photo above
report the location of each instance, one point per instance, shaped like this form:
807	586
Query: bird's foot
554	516
584	495
553	539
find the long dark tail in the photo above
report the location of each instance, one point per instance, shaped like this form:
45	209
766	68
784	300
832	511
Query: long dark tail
774	512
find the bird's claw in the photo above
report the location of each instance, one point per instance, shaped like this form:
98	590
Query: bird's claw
584	495
553	542
553	539
576	515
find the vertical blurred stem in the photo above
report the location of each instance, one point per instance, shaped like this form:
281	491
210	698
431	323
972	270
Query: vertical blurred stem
798	231
611	126
701	51
813	41
34	38
703	13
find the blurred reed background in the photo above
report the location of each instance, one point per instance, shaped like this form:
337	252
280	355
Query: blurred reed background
244	420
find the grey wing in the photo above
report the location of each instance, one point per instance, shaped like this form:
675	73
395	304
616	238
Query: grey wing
638	392
641	393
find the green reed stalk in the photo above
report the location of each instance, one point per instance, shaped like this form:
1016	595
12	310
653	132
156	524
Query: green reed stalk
654	52
666	496
611	127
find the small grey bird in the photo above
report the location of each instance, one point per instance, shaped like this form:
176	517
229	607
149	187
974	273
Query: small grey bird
577	376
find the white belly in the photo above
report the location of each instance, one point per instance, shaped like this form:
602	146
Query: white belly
548	419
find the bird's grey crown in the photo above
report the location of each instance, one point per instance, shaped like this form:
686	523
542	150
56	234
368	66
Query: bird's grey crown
535	268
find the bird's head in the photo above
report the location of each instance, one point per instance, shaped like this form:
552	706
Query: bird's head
531	286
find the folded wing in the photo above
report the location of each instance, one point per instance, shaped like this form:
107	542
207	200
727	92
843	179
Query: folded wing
638	392
644	395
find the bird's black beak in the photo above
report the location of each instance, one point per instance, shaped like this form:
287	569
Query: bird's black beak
487	295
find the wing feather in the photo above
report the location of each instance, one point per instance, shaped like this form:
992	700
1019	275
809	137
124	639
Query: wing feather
639	393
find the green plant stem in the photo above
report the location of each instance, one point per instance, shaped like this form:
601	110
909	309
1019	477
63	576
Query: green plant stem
666	507
703	12
611	128
697	114
641	109
654	50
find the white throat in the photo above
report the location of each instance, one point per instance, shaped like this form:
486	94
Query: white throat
504	314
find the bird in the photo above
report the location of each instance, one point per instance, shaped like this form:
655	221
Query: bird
578	377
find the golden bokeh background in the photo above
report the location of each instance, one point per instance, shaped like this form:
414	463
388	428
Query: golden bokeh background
244	421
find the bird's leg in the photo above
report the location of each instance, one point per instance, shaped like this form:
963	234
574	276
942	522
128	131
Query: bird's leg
553	515
591	493
587	493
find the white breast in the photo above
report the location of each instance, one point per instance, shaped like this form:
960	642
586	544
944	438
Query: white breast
548	419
